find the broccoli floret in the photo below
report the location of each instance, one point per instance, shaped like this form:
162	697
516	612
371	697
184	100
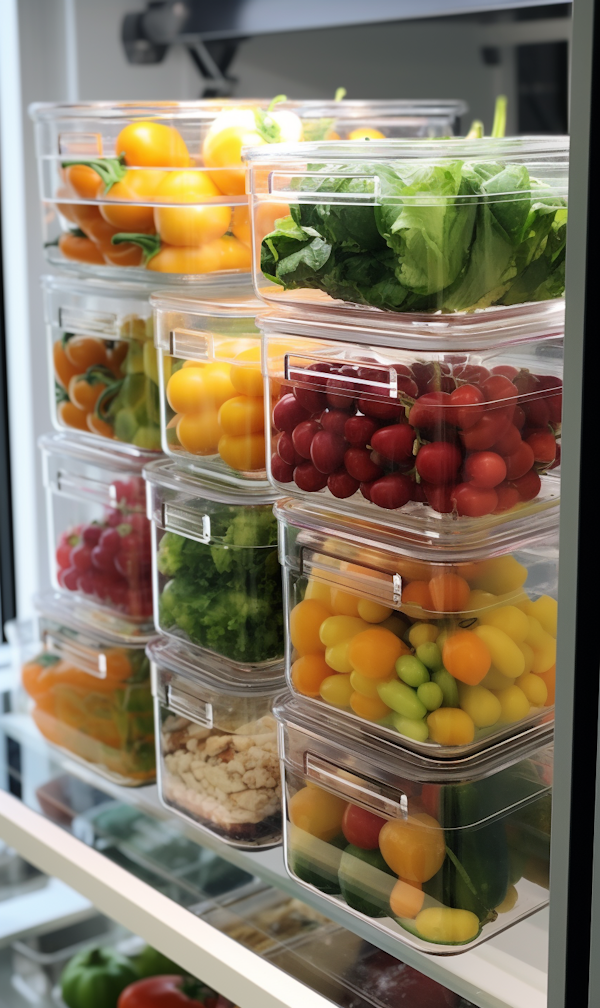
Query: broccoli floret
169	557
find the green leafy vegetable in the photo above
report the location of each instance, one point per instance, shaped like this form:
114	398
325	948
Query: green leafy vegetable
225	595
436	236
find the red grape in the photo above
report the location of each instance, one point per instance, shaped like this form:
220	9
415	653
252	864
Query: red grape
63	553
91	534
310	399
485	469
287	413
360	465
307	478
474	502
394	443
302	436
528	486
114	517
68	578
281	471
286	450
110	540
341	392
520	462
103	560
358	430
81	557
334	420
391	491
438	462
327	451
341	484
381	409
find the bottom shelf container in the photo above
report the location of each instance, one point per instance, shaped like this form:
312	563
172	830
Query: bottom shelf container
441	855
91	695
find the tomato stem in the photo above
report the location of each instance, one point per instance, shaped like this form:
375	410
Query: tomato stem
149	244
110	170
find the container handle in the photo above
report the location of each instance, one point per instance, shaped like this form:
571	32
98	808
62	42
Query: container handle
88	323
84	488
297	372
282	184
86	658
185	521
191	344
83	145
385	588
358	791
189	706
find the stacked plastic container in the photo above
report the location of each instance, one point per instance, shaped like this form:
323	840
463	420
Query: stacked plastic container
412	357
143	197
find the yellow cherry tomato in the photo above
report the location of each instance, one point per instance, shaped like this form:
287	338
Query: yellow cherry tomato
226	253
241	225
199	433
152	145
242	415
185	390
245	453
248	380
131	191
336	690
366	133
193	225
266	216
217	385
223	150
317	812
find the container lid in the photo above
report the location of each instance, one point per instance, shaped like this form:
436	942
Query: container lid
484	328
358	748
214	673
533	150
119	456
354	532
208	109
209	328
236	305
166	474
53	606
212	288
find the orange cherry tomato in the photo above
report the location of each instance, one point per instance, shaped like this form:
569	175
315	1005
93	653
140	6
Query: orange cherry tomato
226	253
449	593
152	145
80	249
85	351
83	394
466	657
84	181
66	209
222	150
136	187
125	254
241	225
69	415
64	369
98	426
414	848
190	225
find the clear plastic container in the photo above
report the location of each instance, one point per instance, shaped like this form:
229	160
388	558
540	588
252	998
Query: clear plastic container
134	186
448	428
98	533
445	653
217	758
410	226
439	856
103	369
217	583
211	387
91	694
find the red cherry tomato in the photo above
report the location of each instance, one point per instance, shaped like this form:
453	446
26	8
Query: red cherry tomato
286	450
288	413
543	445
508	497
358	430
473	373
507	370
381	409
438	462
362	828
312	400
439	497
394	443
281	471
519	463
509	442
392	491
527	486
430	411
493	424
537	412
474	502
327	451
485	469
499	390
467	406
334	420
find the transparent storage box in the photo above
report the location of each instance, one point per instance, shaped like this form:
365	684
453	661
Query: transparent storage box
135	186
217	758
449	428
103	368
217	583
211	387
98	533
410	226
443	653
91	694
440	856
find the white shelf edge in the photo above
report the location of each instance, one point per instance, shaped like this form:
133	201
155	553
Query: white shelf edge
242	976
489	976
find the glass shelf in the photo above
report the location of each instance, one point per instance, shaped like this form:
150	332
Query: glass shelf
338	957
